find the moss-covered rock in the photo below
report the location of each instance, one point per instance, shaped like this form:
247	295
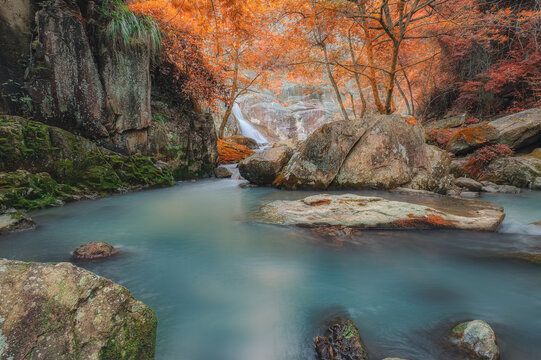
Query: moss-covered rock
59	165
64	312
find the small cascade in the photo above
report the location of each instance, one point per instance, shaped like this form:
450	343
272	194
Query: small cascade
246	128
235	174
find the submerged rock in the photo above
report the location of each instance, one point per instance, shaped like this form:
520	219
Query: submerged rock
343	343
476	339
377	213
263	167
63	312
14	221
94	250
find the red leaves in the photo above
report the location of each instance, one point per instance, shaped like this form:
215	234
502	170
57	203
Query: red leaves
484	156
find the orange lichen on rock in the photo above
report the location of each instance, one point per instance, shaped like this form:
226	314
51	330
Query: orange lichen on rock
429	220
230	152
412	121
478	134
320	202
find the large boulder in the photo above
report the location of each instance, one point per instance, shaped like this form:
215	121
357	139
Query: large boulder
64	312
342	343
362	212
379	151
516	131
476	339
320	157
263	167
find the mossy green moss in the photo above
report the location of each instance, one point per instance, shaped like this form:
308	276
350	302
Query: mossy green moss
134	341
71	162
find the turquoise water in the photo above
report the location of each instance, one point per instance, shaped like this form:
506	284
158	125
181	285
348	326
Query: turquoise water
225	288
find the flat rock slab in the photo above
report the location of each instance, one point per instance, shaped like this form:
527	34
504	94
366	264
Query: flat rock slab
377	213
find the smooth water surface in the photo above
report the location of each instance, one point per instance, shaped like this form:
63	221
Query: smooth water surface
226	288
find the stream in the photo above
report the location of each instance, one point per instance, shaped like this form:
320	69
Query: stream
227	288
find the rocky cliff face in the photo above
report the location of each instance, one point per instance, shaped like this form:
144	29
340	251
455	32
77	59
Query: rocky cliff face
79	77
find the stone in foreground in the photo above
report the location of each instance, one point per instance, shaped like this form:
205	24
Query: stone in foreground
377	213
476	339
94	250
344	342
14	221
63	312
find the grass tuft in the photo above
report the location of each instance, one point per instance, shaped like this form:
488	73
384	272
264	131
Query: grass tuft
127	30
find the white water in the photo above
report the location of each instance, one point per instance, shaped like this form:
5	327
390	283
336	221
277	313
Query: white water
246	128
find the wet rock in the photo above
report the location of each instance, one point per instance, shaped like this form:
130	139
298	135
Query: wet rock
377	213
343	343
476	339
262	168
409	191
469	194
537	183
516	131
382	152
243	140
63	312
222	172
537	223
525	256
94	250
490	187
468	183
13	220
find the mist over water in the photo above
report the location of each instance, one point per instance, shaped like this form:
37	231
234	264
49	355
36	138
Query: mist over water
227	288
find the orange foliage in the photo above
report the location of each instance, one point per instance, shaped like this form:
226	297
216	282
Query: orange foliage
230	152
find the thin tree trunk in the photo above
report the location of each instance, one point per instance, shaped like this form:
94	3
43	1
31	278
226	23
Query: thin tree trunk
334	84
232	97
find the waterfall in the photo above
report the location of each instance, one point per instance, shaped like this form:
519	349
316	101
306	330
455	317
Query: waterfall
246	128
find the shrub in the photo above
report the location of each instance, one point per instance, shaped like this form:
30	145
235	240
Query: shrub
484	156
